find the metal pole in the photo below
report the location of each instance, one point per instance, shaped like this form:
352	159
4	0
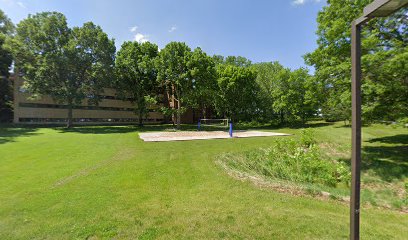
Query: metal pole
356	130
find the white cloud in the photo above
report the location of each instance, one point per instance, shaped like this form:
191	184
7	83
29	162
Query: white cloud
138	37
172	29
13	3
141	38
21	4
302	2
133	29
298	2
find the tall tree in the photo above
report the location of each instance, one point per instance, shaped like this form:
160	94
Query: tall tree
237	93
174	75
383	40
218	59
301	95
268	77
280	95
203	76
136	75
237	61
6	30
70	65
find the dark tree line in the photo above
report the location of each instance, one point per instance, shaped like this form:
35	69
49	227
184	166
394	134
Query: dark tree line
6	59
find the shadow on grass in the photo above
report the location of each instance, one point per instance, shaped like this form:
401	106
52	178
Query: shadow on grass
388	162
8	133
245	126
121	129
395	139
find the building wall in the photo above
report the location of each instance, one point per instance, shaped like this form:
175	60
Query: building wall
46	111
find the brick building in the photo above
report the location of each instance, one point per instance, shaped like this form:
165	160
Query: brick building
110	110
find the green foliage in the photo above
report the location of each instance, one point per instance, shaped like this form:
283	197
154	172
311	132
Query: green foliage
6	29
136	75
384	41
189	78
290	95
6	26
6	93
237	61
307	137
237	92
70	65
293	160
6	98
174	74
204	81
268	78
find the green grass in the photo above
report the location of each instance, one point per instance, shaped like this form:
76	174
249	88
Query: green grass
104	182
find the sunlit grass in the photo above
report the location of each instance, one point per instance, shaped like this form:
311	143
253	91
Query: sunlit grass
104	182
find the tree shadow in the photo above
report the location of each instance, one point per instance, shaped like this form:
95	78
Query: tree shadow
8	133
279	126
395	139
388	162
311	125
98	129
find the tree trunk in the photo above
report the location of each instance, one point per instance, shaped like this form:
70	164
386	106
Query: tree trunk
140	117
178	114
173	118
282	119
69	119
204	112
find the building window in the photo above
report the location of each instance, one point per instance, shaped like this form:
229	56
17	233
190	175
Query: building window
58	106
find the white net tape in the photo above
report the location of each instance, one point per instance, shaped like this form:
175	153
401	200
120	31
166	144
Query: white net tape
214	122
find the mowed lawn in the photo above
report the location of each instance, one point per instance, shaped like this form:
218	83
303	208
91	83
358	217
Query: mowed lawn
104	182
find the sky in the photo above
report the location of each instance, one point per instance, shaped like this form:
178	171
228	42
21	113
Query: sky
260	30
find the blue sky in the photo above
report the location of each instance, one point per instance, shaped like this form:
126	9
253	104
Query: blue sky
260	30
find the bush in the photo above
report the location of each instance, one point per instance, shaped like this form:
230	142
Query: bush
403	121
307	137
293	160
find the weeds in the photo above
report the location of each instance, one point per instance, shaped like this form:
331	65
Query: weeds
297	160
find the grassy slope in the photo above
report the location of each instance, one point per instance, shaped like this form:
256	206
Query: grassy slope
384	163
105	182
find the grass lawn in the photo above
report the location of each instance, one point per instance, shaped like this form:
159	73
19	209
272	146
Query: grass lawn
104	182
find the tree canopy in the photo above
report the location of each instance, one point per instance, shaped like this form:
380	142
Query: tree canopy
6	59
136	75
174	75
384	45
74	65
70	65
237	92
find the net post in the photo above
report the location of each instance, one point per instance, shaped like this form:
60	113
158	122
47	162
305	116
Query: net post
230	129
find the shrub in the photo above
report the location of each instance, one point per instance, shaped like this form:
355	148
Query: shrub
293	160
307	137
